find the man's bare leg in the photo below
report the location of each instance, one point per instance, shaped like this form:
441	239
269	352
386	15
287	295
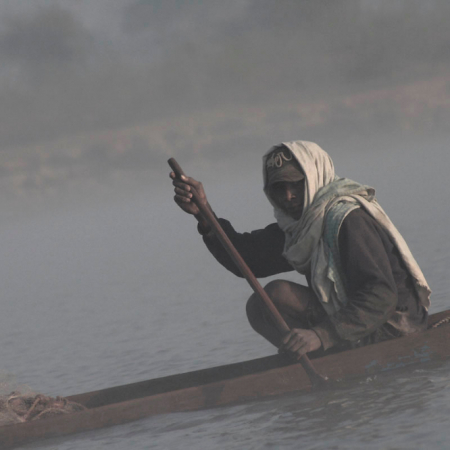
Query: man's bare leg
291	300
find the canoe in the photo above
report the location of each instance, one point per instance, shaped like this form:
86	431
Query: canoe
231	384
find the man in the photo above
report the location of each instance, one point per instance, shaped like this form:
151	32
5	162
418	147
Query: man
364	285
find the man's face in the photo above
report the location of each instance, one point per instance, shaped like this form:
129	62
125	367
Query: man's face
289	196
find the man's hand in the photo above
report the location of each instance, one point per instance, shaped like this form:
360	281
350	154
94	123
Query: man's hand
298	342
183	193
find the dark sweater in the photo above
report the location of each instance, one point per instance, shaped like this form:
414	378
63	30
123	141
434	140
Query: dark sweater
376	281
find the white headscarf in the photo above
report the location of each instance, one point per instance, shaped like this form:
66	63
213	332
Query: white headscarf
304	244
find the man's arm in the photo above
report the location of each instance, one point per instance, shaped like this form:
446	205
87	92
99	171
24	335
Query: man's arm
261	249
370	284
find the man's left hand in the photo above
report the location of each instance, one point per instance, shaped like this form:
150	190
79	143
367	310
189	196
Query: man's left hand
298	342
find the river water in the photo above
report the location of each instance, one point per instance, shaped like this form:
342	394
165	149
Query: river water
94	297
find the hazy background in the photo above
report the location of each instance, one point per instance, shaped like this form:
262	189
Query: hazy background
96	95
105	282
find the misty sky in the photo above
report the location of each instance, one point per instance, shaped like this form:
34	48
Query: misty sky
94	91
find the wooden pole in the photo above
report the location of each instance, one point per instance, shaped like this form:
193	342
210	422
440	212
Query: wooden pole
280	323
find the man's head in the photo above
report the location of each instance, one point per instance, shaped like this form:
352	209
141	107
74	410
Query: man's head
297	157
285	181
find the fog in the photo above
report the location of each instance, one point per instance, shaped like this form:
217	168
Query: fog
97	95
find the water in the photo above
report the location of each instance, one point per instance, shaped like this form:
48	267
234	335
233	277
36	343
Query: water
100	296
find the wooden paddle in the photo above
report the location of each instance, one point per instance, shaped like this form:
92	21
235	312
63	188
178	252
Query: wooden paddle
208	216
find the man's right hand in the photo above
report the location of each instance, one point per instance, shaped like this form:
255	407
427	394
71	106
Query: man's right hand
184	189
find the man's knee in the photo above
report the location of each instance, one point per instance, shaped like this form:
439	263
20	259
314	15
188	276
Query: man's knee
292	302
256	309
279	292
276	290
289	298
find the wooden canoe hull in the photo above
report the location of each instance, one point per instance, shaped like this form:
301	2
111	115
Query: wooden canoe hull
230	384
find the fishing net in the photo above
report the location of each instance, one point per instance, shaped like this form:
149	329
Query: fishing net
24	405
17	407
